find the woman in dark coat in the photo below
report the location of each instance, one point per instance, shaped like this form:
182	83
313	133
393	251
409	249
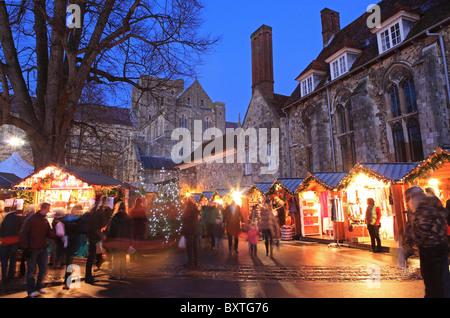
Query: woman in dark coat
189	229
233	218
119	240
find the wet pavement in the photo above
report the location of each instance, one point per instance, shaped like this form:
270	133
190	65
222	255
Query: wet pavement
296	270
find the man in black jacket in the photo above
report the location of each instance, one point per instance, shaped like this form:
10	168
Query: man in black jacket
33	240
9	234
97	219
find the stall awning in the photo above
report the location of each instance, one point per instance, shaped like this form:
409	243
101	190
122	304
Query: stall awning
7	180
436	166
386	172
89	176
208	194
289	184
262	187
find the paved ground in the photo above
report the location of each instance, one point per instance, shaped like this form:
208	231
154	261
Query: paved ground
297	270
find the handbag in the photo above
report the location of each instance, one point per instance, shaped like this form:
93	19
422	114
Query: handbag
182	242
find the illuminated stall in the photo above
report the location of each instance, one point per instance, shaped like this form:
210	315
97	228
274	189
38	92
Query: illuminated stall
256	193
384	182
321	205
282	194
65	186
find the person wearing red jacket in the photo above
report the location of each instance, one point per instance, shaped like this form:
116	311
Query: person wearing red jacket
373	216
33	241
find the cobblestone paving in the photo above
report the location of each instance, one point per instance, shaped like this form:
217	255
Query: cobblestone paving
282	273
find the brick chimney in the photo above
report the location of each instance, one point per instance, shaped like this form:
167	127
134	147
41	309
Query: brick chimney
262	61
330	24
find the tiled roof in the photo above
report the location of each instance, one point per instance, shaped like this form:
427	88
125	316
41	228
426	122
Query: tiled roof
262	187
331	179
152	162
290	183
208	194
7	180
391	171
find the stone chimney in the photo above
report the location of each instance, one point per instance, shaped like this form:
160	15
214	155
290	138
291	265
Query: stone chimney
330	24
262	61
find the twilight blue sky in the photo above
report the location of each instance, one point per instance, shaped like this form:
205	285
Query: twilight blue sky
297	40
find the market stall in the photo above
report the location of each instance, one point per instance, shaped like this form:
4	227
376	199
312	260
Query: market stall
434	173
282	194
321	205
384	182
65	186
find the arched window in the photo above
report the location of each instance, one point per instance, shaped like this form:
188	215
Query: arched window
415	140
350	115
308	133
399	142
207	123
395	101
341	119
182	121
410	96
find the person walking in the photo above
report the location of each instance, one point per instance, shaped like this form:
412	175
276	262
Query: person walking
233	220
211	212
252	237
9	235
190	230
118	239
266	225
33	240
72	229
373	216
218	231
96	221
426	228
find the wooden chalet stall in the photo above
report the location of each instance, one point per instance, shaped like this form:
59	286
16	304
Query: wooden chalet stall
384	182
320	205
433	172
282	194
65	186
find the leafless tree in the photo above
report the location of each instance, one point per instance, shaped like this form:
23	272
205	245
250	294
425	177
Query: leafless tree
45	64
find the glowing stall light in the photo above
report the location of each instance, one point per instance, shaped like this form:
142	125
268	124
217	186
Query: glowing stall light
219	201
433	182
237	197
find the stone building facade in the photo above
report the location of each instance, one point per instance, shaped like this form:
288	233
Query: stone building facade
374	94
262	160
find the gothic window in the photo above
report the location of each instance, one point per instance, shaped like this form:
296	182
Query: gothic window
248	166
395	101
188	101
410	96
308	133
404	123
346	136
207	123
399	142
341	119
182	121
415	140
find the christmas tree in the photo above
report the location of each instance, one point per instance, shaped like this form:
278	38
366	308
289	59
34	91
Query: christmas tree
165	212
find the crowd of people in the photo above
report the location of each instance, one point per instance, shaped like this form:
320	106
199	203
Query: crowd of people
207	224
26	233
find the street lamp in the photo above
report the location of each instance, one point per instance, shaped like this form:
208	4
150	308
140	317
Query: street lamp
15	142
